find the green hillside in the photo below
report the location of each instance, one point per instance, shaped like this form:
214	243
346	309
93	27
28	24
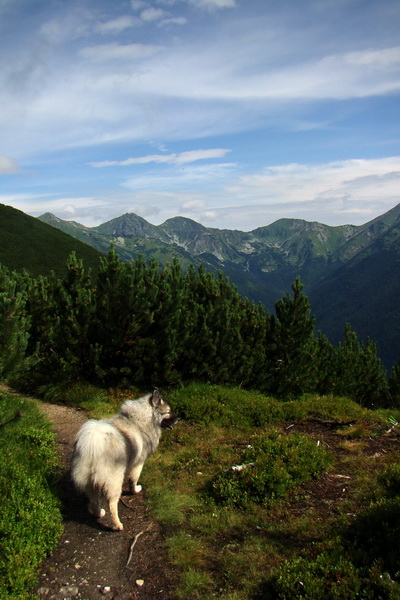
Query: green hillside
28	243
365	292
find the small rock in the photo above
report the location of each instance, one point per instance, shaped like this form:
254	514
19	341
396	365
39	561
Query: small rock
139	582
69	591
106	589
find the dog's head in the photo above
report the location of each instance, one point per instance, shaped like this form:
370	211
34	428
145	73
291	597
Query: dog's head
163	410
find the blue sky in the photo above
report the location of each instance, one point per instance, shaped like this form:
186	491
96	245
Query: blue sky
233	113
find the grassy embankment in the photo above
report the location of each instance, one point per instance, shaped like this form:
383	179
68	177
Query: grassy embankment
30	517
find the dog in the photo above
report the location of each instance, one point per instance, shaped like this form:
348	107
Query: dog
107	450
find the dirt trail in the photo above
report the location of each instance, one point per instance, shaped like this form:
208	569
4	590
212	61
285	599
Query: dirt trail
91	561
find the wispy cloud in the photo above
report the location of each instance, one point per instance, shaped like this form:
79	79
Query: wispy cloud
173	21
213	4
177	159
8	165
347	188
114	51
152	14
115	26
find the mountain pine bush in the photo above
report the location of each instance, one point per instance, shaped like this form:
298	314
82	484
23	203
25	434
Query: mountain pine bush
136	323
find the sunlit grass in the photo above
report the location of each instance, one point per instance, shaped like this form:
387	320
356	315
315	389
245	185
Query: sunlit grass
236	554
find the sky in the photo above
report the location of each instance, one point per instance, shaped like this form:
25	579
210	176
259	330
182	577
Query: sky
233	113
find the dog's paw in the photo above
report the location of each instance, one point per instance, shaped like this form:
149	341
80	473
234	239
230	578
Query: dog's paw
117	526
96	512
137	489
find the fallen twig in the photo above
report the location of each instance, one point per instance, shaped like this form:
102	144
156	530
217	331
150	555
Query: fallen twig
135	539
125	504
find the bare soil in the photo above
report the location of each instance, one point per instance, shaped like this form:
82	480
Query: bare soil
91	561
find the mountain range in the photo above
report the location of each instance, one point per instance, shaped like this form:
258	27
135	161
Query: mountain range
350	273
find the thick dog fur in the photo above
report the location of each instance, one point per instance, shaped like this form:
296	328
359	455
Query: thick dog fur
107	450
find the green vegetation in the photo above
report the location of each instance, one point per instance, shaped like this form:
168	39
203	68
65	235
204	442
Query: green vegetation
272	465
27	244
264	506
30	517
134	323
237	484
258	497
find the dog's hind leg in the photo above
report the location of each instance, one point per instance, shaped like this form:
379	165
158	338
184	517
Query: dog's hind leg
113	505
134	478
95	503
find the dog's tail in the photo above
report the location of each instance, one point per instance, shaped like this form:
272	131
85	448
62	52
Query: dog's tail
99	453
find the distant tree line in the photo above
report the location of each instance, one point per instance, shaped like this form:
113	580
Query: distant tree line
141	324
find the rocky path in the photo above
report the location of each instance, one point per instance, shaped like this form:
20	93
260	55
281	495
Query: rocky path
91	561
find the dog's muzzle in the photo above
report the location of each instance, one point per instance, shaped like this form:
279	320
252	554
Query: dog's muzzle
169	422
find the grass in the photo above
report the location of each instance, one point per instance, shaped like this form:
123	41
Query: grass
296	523
30	518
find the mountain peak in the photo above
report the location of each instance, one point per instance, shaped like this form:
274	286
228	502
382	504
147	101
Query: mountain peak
51	219
181	224
129	225
48	217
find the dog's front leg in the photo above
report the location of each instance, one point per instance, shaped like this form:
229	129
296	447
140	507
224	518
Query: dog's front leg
134	478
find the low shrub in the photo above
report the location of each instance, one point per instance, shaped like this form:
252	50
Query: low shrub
375	536
335	408
234	407
226	407
330	576
272	465
389	480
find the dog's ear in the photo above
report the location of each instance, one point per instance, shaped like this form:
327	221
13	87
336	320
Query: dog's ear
155	397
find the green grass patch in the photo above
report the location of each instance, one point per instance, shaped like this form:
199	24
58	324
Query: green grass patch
266	531
30	518
273	463
226	407
328	576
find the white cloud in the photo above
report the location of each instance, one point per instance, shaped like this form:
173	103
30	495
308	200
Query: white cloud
8	165
138	4
194	205
152	14
377	59
114	51
173	21
213	4
193	155
349	187
146	211
63	207
115	26
233	79
178	159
